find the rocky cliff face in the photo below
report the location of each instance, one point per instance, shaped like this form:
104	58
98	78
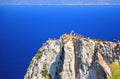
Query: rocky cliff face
74	57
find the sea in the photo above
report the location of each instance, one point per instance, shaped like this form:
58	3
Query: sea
24	28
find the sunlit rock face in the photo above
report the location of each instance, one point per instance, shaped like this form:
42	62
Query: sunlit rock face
74	57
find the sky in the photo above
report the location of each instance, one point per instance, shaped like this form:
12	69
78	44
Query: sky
23	30
61	2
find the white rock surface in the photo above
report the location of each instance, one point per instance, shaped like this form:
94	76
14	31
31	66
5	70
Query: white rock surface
74	57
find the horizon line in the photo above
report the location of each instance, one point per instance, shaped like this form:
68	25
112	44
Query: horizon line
63	3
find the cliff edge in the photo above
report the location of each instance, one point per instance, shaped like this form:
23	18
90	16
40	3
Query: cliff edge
75	57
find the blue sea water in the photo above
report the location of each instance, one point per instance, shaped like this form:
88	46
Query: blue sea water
23	29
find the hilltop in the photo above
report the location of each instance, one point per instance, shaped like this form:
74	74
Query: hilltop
75	57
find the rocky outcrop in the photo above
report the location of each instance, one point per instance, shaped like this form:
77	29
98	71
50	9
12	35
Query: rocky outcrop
74	57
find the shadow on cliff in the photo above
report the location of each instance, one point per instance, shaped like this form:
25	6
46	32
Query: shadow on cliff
57	66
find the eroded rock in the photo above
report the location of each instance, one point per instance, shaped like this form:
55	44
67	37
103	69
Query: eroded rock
74	57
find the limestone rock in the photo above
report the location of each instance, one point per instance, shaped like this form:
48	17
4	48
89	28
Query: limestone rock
74	57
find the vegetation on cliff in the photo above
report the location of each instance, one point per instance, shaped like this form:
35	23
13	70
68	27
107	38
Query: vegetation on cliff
39	53
115	71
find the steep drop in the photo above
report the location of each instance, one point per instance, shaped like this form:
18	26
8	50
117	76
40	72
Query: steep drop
74	57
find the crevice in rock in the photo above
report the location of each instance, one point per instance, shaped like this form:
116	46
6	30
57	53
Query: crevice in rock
59	65
100	63
77	47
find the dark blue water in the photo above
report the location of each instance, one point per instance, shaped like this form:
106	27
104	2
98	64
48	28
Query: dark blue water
23	29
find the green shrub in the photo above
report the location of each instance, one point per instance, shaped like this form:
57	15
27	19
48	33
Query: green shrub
115	71
45	72
48	76
39	53
31	62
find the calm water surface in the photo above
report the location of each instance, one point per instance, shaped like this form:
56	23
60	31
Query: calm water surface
23	29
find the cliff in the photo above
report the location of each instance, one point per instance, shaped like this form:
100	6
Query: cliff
75	57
